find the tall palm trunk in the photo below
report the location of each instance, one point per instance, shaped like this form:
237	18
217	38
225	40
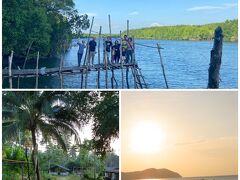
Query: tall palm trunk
35	155
28	169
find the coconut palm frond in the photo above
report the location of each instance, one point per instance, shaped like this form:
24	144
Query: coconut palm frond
9	130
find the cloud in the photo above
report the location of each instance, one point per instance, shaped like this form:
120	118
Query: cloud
191	142
90	14
207	8
134	13
155	24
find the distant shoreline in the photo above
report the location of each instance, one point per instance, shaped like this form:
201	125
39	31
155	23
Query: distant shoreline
183	32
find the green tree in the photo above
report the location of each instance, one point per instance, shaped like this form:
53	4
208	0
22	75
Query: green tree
48	113
106	121
188	32
46	26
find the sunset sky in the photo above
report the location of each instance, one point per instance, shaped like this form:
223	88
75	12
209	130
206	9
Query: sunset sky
192	133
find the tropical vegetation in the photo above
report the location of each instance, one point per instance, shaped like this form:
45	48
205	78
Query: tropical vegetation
45	26
52	119
188	32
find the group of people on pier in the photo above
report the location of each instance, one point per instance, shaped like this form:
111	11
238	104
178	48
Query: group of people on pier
112	50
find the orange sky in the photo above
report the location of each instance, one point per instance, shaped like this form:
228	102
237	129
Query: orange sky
192	133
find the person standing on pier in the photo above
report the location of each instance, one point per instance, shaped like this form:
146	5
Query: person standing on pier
108	46
130	49
116	51
82	46
92	50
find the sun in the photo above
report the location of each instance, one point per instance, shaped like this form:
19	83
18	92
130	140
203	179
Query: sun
146	137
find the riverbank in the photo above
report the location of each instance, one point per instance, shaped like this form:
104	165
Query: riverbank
188	32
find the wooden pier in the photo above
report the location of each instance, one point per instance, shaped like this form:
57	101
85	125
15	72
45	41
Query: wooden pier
26	73
103	65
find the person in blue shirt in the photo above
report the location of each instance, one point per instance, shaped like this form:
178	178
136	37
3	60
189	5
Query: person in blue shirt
82	46
92	50
116	51
108	47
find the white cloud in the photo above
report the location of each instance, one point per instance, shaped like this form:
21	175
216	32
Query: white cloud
207	8
134	13
155	24
231	5
90	14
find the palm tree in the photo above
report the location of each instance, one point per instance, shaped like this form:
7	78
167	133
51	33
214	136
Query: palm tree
47	115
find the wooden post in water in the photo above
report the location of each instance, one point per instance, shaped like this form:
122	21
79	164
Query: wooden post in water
10	58
121	59
216	60
98	77
36	86
137	80
18	82
87	51
161	60
88	63
127	70
60	72
106	65
110	57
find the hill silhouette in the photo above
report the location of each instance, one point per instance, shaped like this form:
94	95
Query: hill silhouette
151	173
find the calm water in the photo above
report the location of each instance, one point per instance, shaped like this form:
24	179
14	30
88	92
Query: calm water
202	178
186	65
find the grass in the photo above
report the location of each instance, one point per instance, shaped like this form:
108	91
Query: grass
70	177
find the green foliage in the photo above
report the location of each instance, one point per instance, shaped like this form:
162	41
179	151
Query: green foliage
45	26
57	116
16	153
106	123
188	32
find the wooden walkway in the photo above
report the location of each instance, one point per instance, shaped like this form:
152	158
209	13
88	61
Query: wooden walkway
64	70
126	70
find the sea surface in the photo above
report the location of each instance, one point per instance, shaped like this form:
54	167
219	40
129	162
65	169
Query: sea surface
186	65
201	178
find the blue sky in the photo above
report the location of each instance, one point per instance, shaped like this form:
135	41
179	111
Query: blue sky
145	13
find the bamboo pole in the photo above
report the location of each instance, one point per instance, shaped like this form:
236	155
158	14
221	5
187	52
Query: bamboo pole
216	60
127	70
87	49
10	58
36	86
60	72
121	59
127	27
110	33
106	65
25	61
161	60
18	82
112	78
86	78
98	77
109	23
134	71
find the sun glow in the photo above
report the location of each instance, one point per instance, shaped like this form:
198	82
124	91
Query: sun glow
147	137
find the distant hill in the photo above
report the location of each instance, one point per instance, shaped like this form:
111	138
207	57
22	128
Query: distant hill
188	32
150	174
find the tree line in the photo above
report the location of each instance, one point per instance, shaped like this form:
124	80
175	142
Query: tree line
46	26
188	32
